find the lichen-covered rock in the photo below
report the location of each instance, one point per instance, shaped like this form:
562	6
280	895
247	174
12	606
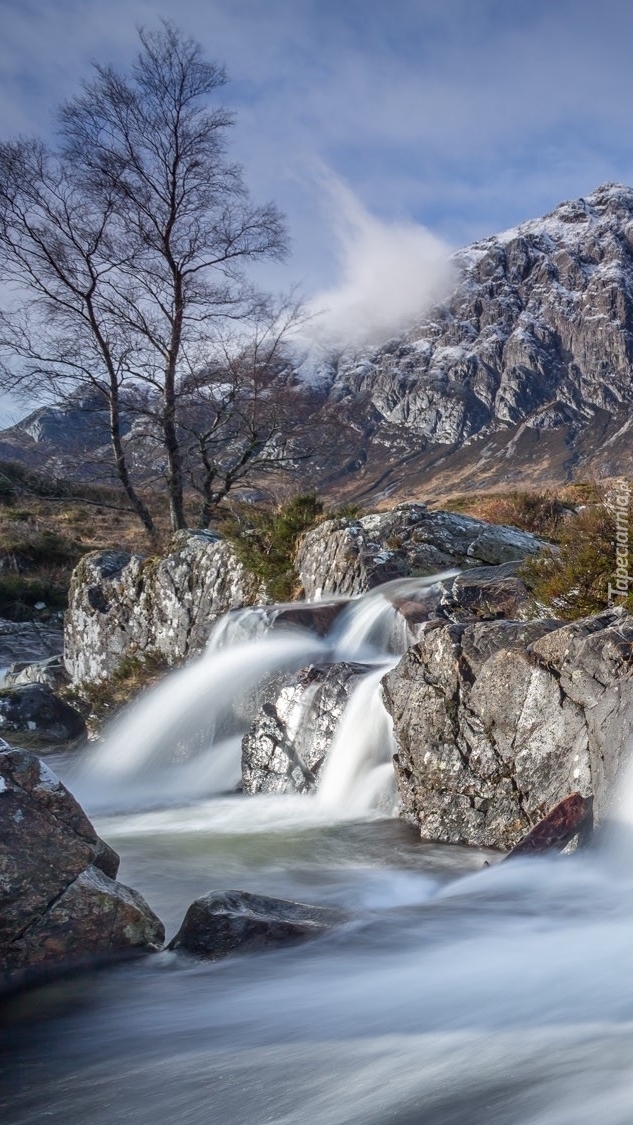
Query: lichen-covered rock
351	556
287	745
34	715
497	722
224	922
121	604
58	897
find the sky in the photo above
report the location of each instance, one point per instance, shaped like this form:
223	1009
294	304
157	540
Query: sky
450	119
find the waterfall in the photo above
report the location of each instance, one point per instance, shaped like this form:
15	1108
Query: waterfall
182	739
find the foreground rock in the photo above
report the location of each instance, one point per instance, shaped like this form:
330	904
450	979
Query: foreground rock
497	722
570	819
225	922
122	605
352	556
287	745
32	714
59	900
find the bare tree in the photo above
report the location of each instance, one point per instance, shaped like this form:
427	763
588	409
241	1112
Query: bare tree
125	247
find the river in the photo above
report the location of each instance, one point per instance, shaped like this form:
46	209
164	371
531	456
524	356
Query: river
461	991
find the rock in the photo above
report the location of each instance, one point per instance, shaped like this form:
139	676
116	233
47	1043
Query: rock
497	722
224	922
571	817
29	641
33	714
121	605
51	672
352	556
287	744
489	593
57	904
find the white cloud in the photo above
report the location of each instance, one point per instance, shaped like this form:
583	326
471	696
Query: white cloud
390	273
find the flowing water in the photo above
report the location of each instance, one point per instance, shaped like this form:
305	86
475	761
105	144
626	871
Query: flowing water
458	993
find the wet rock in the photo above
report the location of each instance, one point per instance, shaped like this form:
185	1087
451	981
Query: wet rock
121	604
350	557
225	922
571	818
497	722
286	747
56	901
34	715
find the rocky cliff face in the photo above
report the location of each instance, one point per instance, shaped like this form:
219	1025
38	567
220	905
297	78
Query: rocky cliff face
531	354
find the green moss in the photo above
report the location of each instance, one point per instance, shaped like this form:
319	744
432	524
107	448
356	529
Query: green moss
266	540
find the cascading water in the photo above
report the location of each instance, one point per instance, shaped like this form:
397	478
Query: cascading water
457	994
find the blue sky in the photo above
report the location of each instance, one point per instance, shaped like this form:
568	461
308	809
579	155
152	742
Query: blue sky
465	116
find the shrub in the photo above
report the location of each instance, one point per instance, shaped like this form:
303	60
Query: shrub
573	580
265	541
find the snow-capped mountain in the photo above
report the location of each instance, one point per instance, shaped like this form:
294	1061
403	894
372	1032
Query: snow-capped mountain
523	375
537	336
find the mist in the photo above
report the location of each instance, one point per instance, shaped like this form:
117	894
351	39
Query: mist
390	274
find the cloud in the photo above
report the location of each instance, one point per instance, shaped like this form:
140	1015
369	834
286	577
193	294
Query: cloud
389	273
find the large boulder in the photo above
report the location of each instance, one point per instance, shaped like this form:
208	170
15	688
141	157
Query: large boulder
33	715
121	605
351	556
224	922
286	747
496	722
59	901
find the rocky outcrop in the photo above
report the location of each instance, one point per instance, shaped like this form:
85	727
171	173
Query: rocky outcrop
121	605
225	922
59	901
488	593
33	715
351	556
288	742
496	722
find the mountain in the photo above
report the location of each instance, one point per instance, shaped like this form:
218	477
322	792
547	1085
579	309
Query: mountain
523	374
522	377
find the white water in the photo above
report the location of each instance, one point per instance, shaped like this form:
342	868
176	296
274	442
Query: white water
182	740
453	996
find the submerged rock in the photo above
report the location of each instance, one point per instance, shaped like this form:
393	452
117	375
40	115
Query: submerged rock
58	898
287	744
224	922
351	556
496	722
32	713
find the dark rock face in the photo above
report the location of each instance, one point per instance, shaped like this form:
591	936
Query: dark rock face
33	713
497	722
29	641
121	605
350	557
287	745
58	897
225	922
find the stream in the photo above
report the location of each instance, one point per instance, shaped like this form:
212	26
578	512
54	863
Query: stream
461	991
